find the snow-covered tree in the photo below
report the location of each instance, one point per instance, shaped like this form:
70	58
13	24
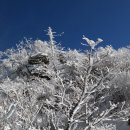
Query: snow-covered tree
44	87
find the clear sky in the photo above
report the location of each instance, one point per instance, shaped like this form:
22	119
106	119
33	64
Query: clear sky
107	19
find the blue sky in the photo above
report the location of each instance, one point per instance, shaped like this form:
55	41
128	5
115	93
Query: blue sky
107	19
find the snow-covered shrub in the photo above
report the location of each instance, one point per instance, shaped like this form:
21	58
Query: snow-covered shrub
105	127
44	87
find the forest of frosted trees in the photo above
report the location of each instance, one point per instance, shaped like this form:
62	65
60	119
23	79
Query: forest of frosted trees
44	87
